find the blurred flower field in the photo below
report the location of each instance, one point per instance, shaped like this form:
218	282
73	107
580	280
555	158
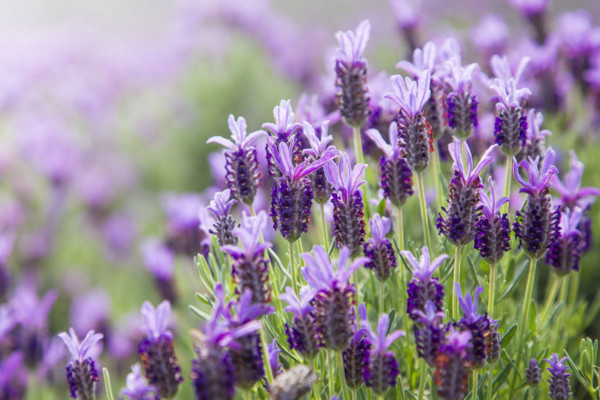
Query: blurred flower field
254	199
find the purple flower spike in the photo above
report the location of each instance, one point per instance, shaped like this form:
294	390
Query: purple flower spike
539	179
137	387
382	370
351	75
477	325
560	387
461	212
396	176
291	195
318	148
221	204
81	370
492	230
356	356
570	190
564	252
250	269
348	214
461	104
414	130
533	374
530	7
242	170
273	352
13	376
536	137
156	350
379	249
303	335
452	365
335	296
429	332
224	223
423	288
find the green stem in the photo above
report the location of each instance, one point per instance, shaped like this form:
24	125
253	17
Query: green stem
107	384
340	361
492	290
490	382
324	228
527	300
551	297
400	229
247	394
423	205
353	394
475	384
293	267
507	183
437	170
423	379
331	383
573	290
265	356
317	385
562	298
381	294
455	280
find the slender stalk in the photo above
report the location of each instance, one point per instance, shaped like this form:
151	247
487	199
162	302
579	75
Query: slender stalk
324	228
293	267
490	382
342	378
527	300
107	384
437	171
573	290
455	279
400	228
492	290
380	397
265	356
562	298
507	182
331	383
551	297
423	205
317	385
353	394
381	294
423	379
475	384
247	395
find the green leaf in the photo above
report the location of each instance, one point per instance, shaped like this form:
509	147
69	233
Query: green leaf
107	384
381	207
508	360
508	336
279	264
199	313
203	299
509	289
501	378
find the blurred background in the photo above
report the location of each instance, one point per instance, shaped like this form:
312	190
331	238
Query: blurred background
105	109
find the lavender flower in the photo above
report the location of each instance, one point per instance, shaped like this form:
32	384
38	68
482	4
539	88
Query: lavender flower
13	377
291	195
511	123
492	230
224	225
351	75
348	214
243	173
382	370
81	370
564	252
537	224
247	351
533	374
461	103
477	325
137	387
560	387
414	131
423	288
318	148
273	352
459	224
535	138
452	365
356	358
429	332
293	384
396	176
156	350
160	261
283	131
379	249
494	343
250	269
335	296
302	333
184	223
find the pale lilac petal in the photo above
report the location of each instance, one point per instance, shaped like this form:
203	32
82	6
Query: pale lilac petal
376	137
223	142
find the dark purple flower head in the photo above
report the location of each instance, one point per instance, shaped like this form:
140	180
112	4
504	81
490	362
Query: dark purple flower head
300	307
565	251
352	44
452	365
458	343
356	359
185	227
321	274
319	145
137	387
560	387
245	311
477	325
424	268
423	60
13	376
429	332
570	190
80	350
539	179
285	125
409	94
468	303
490	205
249	234
284	155
533	374
535	139
221	204
467	172
240	140
343	179
379	339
